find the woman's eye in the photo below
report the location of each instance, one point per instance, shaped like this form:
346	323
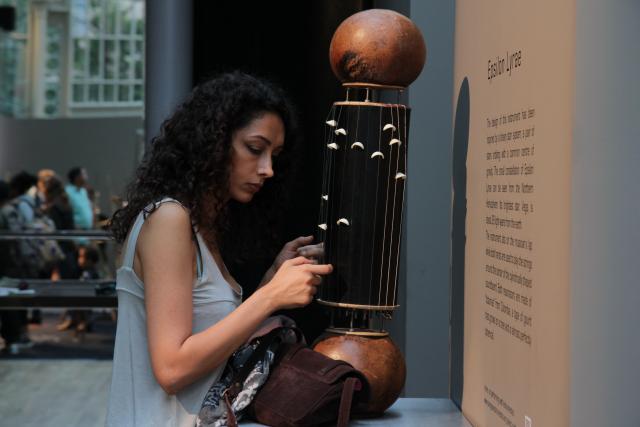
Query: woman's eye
254	150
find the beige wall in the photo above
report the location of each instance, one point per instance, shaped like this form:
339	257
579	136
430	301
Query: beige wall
517	57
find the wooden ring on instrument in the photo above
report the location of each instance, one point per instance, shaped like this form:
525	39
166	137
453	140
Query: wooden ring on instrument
358	332
359	306
359	85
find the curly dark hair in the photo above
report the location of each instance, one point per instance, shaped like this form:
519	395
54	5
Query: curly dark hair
190	162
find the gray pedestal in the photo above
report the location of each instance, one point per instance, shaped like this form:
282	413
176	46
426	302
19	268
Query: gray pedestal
412	412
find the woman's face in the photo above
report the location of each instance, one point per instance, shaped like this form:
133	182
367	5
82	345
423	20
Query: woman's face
253	148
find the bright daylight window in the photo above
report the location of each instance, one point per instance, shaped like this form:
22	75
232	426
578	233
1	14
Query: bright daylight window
73	58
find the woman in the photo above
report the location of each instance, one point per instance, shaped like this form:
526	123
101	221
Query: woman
210	179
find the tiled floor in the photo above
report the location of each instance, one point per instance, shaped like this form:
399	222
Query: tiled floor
54	393
63	379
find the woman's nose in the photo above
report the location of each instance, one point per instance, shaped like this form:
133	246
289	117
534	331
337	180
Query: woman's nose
265	168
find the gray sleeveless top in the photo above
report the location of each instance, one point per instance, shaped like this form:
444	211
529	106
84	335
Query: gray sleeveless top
136	398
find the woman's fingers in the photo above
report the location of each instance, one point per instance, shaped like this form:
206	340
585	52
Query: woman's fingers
311	251
319	269
297	261
298	242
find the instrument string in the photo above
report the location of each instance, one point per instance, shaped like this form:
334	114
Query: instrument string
375	206
386	206
349	153
363	199
393	210
324	206
404	187
327	137
343	147
326	189
332	194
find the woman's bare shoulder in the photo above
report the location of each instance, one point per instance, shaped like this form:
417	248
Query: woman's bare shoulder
167	221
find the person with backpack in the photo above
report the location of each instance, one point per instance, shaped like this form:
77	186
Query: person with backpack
15	210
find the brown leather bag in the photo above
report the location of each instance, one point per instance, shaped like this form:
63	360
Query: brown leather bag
307	388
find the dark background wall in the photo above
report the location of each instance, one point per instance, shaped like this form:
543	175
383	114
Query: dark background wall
287	43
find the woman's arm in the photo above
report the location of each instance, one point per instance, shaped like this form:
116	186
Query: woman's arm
166	256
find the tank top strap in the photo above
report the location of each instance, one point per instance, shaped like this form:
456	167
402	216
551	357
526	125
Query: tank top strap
130	250
135	231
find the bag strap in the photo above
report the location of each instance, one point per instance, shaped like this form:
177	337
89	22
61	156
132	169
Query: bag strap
344	412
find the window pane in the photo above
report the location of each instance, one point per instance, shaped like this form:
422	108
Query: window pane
51	98
94	93
109	93
51	95
50	109
140	27
109	59
139	70
125	59
79	57
139	57
53	63
137	16
138	93
22	15
123	93
95	21
94	58
78	93
53	38
111	11
125	18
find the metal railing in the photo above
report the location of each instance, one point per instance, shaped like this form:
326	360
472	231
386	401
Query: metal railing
57	235
20	293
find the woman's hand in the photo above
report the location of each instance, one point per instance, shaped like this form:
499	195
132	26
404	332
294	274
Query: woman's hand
313	252
297	247
295	283
290	250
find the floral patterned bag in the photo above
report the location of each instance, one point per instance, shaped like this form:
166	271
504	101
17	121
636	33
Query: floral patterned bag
246	371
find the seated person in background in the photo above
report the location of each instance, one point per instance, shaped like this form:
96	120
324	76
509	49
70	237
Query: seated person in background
88	258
